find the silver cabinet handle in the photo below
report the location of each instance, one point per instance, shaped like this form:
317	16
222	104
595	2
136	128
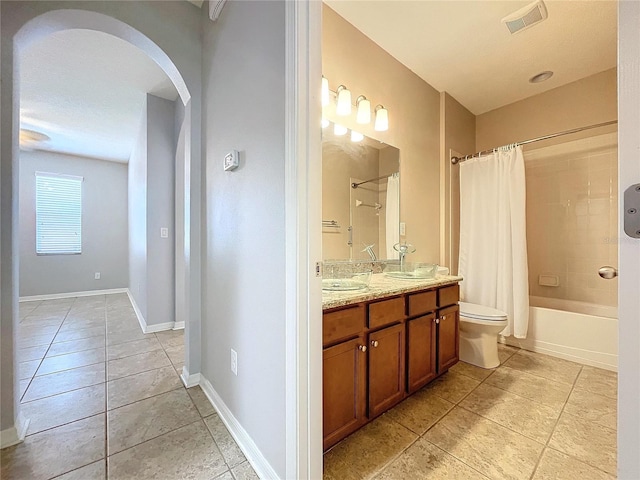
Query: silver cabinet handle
374	343
362	348
608	272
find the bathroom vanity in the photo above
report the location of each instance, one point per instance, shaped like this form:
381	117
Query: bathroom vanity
382	344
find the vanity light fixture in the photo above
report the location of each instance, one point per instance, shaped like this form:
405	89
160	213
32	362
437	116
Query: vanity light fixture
363	114
324	123
356	136
382	119
339	129
343	102
325	92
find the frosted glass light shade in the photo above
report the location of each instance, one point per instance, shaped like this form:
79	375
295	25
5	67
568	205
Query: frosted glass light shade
363	114
325	92
339	129
343	105
324	123
382	119
356	136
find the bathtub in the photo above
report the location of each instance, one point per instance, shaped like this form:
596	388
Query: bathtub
576	331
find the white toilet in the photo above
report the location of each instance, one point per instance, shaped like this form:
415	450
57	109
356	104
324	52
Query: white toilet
479	329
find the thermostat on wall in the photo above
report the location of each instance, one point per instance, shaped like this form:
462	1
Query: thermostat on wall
231	160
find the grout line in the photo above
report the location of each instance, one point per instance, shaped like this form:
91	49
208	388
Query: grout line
146	398
66	423
75	389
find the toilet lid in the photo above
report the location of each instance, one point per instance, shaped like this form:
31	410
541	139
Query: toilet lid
482	312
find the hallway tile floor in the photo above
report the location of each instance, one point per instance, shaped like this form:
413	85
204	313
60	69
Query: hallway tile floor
534	417
105	400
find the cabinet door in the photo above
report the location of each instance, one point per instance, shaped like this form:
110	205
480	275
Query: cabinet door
448	339
344	390
421	351
386	369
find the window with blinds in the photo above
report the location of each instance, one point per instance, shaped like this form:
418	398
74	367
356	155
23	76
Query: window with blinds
58	214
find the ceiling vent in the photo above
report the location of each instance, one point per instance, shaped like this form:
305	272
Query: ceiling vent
526	17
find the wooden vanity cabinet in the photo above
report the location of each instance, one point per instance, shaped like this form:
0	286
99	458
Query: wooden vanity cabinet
344	396
421	351
386	369
448	338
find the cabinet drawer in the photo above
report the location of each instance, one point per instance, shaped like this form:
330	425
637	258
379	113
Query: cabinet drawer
448	296
342	324
423	302
385	312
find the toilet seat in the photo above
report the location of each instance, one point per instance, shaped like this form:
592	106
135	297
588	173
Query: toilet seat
481	314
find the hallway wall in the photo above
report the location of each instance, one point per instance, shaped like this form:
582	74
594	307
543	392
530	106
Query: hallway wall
104	227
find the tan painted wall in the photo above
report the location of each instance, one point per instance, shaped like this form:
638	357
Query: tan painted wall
352	59
458	135
584	102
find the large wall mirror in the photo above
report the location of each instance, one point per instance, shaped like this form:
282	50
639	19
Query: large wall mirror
360	197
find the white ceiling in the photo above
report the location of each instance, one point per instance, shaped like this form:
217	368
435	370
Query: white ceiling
86	90
462	47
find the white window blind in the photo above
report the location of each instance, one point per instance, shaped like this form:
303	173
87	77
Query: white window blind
58	214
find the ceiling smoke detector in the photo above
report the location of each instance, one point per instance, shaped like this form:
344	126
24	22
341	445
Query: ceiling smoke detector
526	17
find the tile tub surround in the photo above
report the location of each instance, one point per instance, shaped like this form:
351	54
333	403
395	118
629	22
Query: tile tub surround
105	401
536	419
382	286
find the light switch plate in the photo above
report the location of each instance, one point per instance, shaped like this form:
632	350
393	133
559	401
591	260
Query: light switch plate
164	232
231	160
403	228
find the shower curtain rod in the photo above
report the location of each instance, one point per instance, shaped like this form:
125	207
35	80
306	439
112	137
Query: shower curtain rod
456	160
356	185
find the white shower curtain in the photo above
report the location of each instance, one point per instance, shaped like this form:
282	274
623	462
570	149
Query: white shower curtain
493	244
392	227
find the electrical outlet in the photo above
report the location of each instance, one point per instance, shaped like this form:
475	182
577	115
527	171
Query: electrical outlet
97	276
164	232
234	362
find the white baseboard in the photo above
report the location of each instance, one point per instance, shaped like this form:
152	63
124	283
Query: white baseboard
259	463
189	380
14	435
141	320
158	327
178	325
87	293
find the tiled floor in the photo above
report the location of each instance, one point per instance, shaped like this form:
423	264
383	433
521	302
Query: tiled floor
105	400
535	417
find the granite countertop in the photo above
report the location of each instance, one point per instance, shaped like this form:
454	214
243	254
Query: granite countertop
382	286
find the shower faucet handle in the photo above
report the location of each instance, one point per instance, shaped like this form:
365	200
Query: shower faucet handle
608	272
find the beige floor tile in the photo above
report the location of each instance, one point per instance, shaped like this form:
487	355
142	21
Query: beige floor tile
56	451
27	369
31	321
201	401
244	471
165	457
64	408
125	336
65	381
425	461
73	346
368	450
93	471
142	362
452	386
544	366
420	411
27	331
32	353
80	333
505	352
558	466
529	418
176	354
533	387
586	441
149	418
593	407
140	386
487	447
230	451
134	347
70	360
597	380
83	324
171	338
24	384
35	340
225	476
464	368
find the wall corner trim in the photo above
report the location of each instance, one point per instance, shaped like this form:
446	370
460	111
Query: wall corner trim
14	435
87	293
189	380
215	8
259	463
159	327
